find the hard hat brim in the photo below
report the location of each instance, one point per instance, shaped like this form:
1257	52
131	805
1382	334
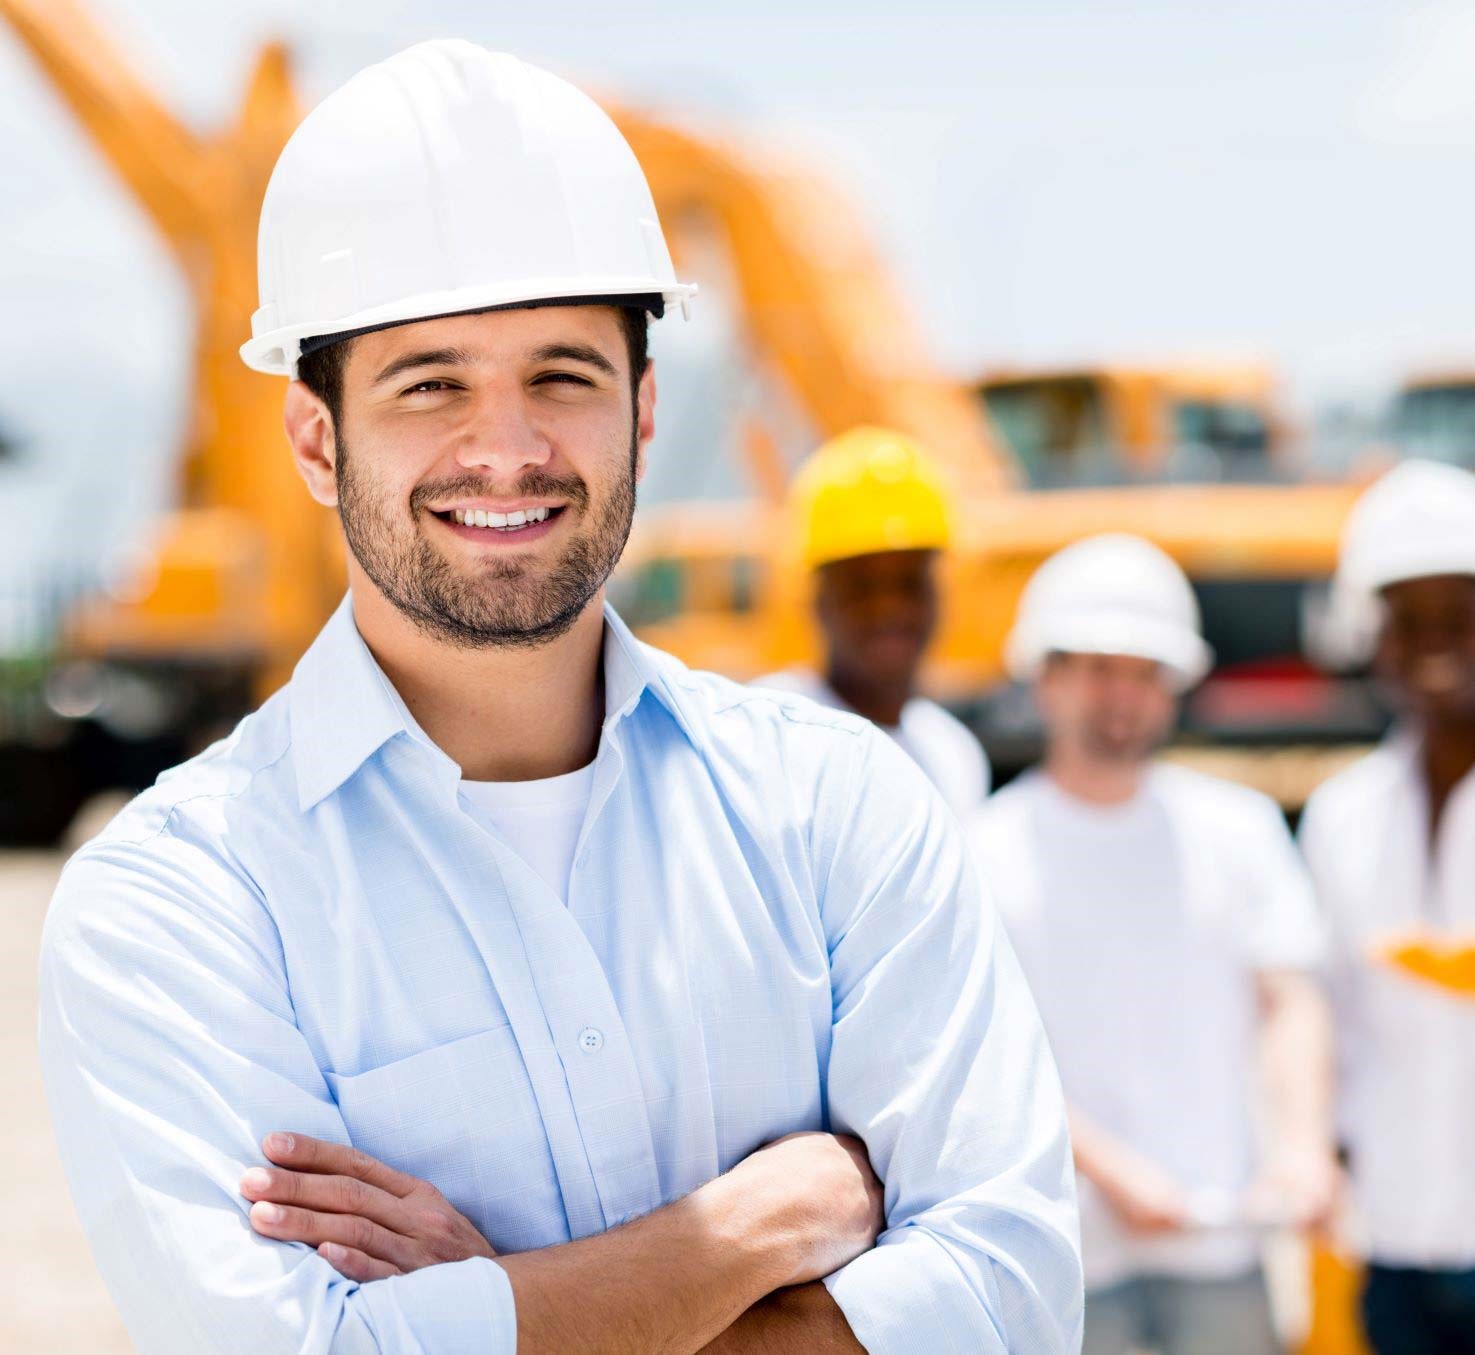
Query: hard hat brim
1181	652
276	352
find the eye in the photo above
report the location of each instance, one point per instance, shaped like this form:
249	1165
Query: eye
431	384
562	379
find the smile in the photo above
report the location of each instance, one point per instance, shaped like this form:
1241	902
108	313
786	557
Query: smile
499	522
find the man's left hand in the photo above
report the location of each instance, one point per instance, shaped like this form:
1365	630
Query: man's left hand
366	1219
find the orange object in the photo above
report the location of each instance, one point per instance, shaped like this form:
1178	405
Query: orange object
1448	964
1336	1288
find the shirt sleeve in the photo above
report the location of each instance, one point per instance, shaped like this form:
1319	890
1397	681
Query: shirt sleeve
939	1064
169	1049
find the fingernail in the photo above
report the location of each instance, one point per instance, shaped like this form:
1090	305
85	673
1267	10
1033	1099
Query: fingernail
331	1251
258	1179
267	1213
279	1143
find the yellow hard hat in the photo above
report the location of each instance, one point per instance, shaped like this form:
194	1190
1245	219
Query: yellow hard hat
867	491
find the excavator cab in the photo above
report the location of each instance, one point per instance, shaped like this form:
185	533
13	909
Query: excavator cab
1116	426
1434	417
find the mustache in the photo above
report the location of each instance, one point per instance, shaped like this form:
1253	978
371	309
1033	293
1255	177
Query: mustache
535	484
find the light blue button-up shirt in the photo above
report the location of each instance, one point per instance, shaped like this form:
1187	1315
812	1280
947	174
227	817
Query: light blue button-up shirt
770	926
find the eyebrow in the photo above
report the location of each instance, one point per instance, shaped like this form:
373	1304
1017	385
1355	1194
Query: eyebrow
426	357
460	357
575	352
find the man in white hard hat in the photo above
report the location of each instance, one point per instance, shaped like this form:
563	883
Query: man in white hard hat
501	983
1391	845
872	515
1163	919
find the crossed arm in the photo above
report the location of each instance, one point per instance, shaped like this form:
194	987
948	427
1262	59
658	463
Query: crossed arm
731	1267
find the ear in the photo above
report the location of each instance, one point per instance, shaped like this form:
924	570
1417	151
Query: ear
645	417
309	428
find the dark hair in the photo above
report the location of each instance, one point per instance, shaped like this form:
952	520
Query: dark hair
321	371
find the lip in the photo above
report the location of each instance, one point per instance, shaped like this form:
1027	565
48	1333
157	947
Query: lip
491	539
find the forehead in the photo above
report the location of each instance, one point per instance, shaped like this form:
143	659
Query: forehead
1436	593
496	338
1111	665
880	568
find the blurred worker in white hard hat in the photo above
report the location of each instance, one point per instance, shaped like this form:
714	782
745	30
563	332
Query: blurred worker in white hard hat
872	515
1391	844
501	983
1164	921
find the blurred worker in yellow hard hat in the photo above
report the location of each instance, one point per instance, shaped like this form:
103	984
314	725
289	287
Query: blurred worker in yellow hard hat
872	514
1391	845
1164	920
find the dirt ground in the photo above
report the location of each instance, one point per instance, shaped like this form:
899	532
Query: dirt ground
56	1300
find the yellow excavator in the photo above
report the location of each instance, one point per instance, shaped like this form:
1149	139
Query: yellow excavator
245	567
1118	424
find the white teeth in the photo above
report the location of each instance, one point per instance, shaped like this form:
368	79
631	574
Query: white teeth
481	517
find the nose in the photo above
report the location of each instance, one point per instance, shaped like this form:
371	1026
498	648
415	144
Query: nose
501	437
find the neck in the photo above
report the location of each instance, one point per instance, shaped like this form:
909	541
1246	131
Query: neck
880	705
1448	755
1092	779
501	713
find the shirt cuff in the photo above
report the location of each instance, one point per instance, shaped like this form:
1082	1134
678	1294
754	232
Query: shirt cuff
457	1308
907	1294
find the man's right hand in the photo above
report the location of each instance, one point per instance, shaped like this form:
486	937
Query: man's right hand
825	1201
1143	1196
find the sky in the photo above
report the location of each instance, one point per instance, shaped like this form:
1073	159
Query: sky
1049	180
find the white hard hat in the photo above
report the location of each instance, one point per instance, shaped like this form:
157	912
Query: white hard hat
1417	521
446	179
1109	594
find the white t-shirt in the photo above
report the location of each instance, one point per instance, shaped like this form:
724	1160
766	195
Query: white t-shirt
1141	927
539	820
1407	1049
939	743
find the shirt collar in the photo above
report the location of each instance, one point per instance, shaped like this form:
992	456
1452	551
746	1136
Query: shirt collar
343	708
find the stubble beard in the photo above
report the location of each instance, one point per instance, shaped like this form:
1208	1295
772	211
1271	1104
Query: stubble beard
504	603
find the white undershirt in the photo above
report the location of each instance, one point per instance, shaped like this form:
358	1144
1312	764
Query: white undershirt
539	820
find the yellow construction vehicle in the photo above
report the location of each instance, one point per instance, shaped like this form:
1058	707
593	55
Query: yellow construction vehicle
1433	416
1114	425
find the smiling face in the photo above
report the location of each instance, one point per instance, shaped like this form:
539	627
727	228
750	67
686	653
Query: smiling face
483	466
878	613
1426	649
1111	709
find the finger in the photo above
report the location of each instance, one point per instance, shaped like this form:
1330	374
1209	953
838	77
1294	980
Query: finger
353	1264
287	1223
303	1153
325	1194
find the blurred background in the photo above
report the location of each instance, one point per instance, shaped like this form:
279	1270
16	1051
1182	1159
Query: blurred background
1193	271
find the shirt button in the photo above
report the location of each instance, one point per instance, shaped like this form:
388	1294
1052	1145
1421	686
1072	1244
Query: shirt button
591	1041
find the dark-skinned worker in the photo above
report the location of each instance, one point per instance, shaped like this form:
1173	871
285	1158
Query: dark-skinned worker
502	984
1170	934
873	515
1391	845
